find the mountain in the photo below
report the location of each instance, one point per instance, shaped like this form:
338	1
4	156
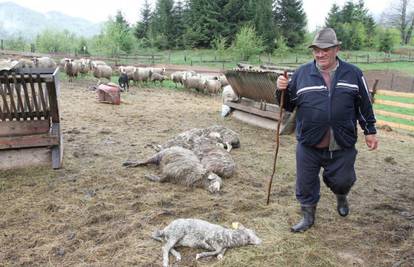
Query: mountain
16	20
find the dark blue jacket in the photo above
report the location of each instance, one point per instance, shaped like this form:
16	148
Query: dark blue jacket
319	108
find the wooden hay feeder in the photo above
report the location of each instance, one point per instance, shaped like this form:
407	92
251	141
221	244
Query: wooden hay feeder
30	132
257	103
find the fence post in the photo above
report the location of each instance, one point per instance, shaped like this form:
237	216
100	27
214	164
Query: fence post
152	59
367	58
392	81
412	86
1	45
268	58
169	57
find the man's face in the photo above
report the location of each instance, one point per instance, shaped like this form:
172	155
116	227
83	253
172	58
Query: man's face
326	58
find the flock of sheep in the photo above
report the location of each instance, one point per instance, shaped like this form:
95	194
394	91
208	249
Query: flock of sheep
208	84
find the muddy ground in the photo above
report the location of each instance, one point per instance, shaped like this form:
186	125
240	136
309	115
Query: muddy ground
94	212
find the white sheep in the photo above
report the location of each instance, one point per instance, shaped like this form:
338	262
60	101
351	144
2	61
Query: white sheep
72	68
102	71
44	62
212	87
180	166
197	233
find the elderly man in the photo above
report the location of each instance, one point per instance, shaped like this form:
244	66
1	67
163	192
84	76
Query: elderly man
330	96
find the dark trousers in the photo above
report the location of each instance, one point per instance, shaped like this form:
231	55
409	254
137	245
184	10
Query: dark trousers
338	172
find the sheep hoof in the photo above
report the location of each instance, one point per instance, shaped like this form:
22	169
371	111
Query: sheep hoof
220	257
198	256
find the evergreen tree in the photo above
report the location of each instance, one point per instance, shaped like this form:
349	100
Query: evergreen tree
142	26
334	17
236	14
353	25
204	22
179	23
162	24
263	22
290	20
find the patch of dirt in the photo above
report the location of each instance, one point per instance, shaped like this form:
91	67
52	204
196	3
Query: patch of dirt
96	212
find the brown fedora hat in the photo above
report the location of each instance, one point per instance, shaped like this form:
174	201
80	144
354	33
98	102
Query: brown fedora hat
325	38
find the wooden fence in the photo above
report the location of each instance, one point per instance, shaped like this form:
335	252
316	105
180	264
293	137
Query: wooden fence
391	114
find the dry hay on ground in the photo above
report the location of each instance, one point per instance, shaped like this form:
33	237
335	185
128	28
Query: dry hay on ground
94	212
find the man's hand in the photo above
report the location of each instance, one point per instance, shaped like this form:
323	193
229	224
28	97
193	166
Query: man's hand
371	141
282	82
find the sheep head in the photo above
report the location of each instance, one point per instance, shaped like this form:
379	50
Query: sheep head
214	183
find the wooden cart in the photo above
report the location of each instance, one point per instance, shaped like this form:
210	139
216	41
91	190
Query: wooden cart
30	131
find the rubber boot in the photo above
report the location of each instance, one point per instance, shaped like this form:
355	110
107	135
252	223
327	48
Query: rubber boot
342	205
307	220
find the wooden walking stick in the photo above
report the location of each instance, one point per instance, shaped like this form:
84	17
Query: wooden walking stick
282	100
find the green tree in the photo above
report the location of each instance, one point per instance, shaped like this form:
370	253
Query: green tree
52	41
115	38
353	25
204	22
163	24
142	27
290	20
385	41
263	22
247	43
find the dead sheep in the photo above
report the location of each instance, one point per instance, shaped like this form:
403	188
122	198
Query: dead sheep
197	233
221	135
214	158
181	166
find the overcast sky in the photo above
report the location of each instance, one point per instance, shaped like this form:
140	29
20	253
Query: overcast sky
97	11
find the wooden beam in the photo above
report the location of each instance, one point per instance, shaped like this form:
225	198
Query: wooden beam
393	114
394	103
265	114
22	158
38	140
396	125
16	128
394	93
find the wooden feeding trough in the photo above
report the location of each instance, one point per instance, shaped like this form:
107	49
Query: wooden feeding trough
30	132
256	103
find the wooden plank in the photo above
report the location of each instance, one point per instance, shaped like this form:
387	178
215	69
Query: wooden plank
394	103
395	125
27	104
57	151
17	88
6	112
38	140
34	97
41	94
54	107
393	93
266	114
395	115
22	158
16	128
12	104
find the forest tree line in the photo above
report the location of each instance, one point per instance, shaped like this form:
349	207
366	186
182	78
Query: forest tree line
248	27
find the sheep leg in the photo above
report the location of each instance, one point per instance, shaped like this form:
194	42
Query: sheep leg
166	251
229	147
133	164
156	178
221	254
176	254
209	253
